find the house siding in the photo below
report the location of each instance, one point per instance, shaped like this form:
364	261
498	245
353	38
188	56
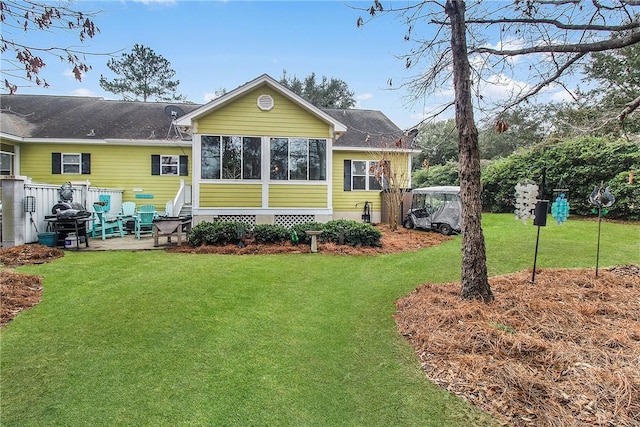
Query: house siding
243	117
345	201
297	196
108	170
231	195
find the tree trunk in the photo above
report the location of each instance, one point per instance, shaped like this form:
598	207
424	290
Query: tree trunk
475	283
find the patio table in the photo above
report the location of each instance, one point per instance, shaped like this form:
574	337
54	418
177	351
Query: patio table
169	227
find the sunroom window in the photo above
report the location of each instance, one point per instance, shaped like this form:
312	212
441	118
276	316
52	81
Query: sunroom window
230	157
298	159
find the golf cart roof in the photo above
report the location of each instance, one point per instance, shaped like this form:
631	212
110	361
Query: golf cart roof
446	189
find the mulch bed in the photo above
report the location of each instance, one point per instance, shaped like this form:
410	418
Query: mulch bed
562	352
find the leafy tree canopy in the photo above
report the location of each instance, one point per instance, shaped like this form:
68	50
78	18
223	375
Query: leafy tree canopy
144	75
22	61
329	93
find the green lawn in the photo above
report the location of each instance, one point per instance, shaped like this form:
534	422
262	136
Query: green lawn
151	338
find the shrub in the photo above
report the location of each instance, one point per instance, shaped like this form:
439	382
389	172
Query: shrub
446	174
578	165
216	233
270	233
349	232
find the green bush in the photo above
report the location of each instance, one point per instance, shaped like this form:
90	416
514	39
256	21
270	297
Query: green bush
216	233
270	233
578	165
446	174
349	232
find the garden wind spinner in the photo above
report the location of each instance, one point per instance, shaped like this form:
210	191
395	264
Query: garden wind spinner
560	206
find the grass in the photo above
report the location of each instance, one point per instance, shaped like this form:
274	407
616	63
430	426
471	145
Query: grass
151	338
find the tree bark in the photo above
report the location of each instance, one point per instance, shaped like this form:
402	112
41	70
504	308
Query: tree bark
475	282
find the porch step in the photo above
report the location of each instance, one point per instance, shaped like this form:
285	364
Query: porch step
186	210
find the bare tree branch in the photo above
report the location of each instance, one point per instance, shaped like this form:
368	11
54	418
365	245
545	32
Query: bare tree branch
629	108
544	83
609	44
557	24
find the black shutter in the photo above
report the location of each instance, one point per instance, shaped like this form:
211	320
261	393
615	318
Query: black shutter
184	165
56	163
347	175
86	164
155	164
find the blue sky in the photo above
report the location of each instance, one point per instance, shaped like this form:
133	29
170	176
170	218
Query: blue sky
223	44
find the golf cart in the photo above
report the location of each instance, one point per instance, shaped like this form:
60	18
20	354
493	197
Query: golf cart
435	208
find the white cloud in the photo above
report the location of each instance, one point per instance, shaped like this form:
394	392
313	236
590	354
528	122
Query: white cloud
82	92
364	96
501	87
561	95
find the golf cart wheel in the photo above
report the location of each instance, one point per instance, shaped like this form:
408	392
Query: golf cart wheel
445	229
408	223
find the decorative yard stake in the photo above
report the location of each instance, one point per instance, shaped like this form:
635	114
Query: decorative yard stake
601	198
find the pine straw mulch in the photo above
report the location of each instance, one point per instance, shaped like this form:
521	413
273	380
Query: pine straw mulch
562	352
21	291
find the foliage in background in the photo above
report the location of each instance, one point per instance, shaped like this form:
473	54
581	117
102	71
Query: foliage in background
446	174
143	75
521	127
439	144
329	93
577	165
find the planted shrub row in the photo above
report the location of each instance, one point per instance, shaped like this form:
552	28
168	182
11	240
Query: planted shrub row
347	232
217	233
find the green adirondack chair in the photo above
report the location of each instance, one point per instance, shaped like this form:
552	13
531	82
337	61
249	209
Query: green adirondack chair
103	225
144	220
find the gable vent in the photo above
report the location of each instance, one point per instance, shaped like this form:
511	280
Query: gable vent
265	102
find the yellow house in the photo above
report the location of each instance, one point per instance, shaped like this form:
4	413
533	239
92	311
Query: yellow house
262	154
258	154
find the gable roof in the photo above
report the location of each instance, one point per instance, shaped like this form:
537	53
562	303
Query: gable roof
369	129
263	80
85	118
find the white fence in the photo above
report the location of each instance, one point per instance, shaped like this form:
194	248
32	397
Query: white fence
21	223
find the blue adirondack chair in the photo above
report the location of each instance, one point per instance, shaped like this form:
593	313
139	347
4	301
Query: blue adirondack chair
106	226
144	220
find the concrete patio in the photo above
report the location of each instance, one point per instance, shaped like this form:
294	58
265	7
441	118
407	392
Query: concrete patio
127	243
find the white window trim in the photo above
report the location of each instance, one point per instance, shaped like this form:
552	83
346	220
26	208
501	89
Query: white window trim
63	163
367	175
162	164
